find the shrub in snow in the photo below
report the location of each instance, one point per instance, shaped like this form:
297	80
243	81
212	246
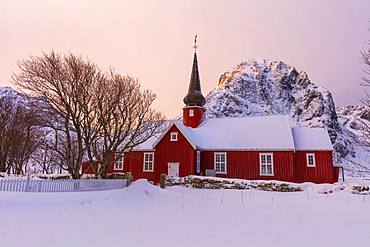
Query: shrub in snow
277	186
361	189
221	183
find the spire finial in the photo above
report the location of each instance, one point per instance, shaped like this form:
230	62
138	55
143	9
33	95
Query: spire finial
194	96
195	43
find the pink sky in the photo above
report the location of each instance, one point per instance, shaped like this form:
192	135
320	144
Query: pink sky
152	40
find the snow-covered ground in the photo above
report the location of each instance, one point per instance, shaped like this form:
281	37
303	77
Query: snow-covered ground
145	215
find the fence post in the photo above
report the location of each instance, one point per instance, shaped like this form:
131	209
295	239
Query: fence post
162	181
27	183
342	173
39	186
128	178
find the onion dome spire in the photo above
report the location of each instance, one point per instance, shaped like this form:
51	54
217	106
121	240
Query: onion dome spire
194	97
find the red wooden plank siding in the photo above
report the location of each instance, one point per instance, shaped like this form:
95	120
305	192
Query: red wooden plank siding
335	174
288	165
87	168
322	173
196	119
246	165
166	151
175	151
134	163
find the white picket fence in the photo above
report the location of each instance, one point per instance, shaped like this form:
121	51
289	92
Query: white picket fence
70	185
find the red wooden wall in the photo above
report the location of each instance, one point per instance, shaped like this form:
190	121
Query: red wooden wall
288	165
166	151
322	173
175	151
196	119
246	165
134	163
335	174
87	168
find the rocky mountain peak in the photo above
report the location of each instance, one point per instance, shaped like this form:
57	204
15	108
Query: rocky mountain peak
263	87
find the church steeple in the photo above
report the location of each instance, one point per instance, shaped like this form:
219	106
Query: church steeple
194	96
193	112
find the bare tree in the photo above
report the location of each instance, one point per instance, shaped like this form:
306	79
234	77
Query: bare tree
91	115
65	83
365	57
20	134
6	112
26	135
125	118
45	158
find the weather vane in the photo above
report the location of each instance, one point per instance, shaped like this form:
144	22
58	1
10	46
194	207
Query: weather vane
195	43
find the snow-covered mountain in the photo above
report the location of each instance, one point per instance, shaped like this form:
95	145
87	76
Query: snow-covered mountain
21	99
273	87
11	93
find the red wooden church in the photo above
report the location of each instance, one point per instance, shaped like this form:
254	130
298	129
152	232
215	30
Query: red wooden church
266	148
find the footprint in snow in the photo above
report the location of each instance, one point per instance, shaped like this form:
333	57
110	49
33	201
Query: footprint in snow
147	193
87	202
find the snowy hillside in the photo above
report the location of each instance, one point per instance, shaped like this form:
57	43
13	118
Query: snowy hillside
351	118
145	215
273	87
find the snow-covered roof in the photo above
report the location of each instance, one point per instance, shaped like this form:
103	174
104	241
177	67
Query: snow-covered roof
147	145
263	133
311	139
247	133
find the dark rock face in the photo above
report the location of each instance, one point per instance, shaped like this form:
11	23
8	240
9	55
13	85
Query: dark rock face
365	115
353	118
256	88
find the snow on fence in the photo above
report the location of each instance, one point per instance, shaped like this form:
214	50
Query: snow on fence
71	185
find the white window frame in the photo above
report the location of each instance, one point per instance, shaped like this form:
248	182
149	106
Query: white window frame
191	113
118	164
224	163
148	162
174	136
266	164
307	159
